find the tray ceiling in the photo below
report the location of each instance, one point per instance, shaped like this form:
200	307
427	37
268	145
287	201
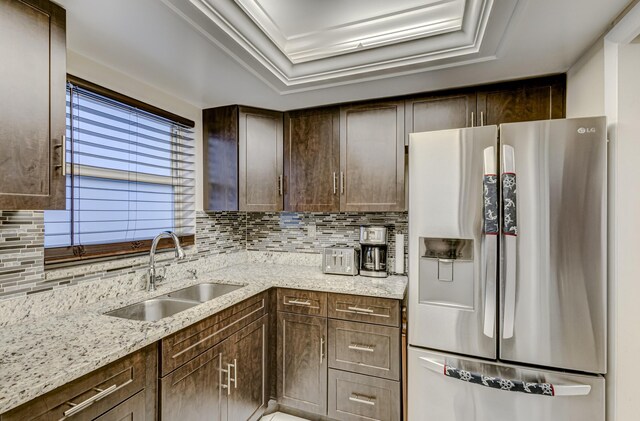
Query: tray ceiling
296	45
306	30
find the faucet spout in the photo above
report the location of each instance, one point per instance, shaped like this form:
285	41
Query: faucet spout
180	254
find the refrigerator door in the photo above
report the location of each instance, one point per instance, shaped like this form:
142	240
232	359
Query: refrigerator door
453	240
553	275
449	388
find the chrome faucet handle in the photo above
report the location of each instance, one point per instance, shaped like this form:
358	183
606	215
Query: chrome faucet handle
162	277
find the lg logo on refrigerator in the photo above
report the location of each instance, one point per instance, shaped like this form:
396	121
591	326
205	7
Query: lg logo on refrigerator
583	130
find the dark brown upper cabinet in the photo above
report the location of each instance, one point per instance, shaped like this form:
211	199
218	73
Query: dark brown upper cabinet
372	159
535	99
440	112
312	160
523	100
32	112
243	159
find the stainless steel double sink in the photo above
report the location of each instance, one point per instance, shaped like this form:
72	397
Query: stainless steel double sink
172	303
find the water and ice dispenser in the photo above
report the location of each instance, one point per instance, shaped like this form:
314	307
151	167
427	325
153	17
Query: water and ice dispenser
446	272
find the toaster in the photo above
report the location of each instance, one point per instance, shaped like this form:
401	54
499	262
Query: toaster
340	260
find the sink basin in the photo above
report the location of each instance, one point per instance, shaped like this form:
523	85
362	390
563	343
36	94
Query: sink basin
153	309
172	303
203	292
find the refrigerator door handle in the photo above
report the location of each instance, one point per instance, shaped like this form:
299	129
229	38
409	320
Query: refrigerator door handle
510	234
509	385
491	229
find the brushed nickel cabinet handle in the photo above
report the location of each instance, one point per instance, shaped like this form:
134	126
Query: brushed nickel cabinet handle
229	379
77	407
235	373
63	155
361	347
360	309
321	349
341	182
280	188
335	182
367	400
299	302
482	118
472	125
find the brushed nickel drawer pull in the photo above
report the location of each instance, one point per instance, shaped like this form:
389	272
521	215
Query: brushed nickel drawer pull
77	407
299	302
360	347
360	309
367	400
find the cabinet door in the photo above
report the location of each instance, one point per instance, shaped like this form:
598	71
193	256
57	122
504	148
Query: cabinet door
443	112
260	146
248	392
372	157
312	160
32	112
522	101
220	158
302	362
194	391
132	409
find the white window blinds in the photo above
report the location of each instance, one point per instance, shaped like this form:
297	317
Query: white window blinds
130	175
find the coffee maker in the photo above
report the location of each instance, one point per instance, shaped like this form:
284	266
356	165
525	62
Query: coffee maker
373	251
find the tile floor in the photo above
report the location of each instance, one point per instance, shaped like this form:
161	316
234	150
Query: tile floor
279	416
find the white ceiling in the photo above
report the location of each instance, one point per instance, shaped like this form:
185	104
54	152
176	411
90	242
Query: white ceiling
174	46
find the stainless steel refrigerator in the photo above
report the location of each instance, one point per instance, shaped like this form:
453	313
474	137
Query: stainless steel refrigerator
507	272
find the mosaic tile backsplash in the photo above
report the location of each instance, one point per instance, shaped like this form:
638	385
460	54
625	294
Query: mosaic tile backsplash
22	243
311	232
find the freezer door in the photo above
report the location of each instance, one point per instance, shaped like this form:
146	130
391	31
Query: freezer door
553	276
453	240
448	388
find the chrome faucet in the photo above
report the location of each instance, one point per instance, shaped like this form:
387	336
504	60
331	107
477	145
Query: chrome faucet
153	277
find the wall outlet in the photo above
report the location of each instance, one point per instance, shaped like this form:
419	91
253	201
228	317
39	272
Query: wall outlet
311	230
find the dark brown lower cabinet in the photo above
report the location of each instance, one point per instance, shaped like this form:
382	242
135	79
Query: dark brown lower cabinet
342	367
302	362
247	394
193	391
228	382
124	389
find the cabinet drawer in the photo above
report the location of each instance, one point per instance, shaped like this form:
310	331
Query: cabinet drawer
80	399
382	311
365	348
357	397
190	342
312	303
132	409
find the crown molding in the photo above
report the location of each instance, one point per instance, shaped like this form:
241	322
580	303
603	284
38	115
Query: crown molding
324	59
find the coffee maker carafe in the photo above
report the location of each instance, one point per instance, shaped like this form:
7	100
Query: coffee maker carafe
373	251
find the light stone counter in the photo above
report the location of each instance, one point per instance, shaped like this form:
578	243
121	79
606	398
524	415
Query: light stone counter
40	354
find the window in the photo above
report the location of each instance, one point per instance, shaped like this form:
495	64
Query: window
130	175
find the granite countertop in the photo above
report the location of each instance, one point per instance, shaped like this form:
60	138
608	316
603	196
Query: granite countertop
39	355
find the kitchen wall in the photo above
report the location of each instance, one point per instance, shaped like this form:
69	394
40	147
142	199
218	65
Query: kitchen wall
22	270
310	232
585	84
605	82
